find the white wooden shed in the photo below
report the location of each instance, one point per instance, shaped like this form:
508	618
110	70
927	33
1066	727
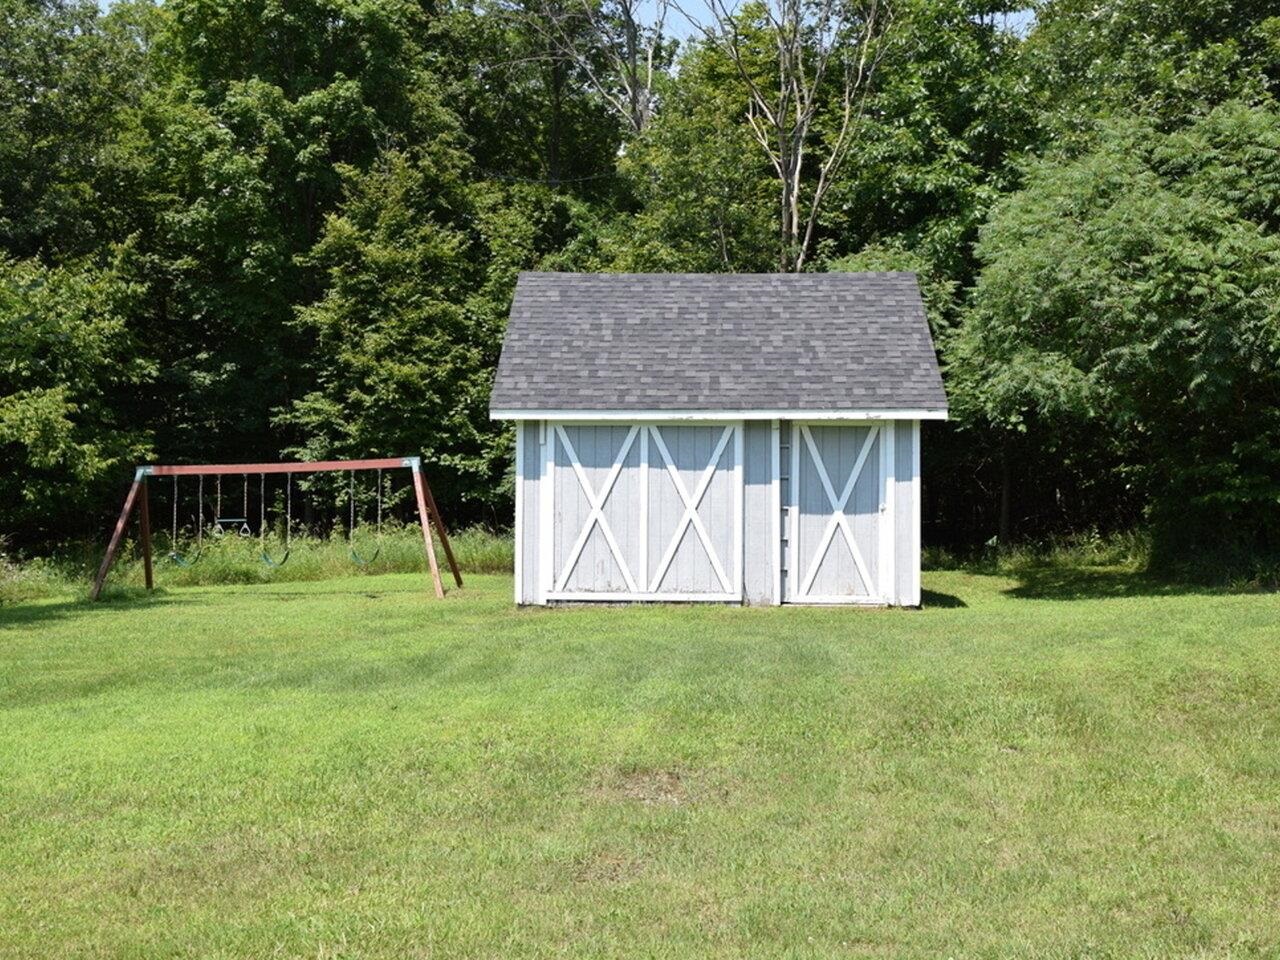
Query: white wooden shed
744	438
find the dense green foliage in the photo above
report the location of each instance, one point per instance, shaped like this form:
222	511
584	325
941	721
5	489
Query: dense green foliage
242	229
1072	763
1157	314
64	352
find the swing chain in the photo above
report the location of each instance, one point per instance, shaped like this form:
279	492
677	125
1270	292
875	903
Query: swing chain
181	558
288	508
351	521
262	520
245	530
351	504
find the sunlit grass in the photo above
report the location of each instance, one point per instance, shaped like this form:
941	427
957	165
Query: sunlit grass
350	768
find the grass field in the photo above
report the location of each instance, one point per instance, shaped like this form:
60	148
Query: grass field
1074	764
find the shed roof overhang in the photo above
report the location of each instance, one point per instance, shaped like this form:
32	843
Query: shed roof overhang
669	415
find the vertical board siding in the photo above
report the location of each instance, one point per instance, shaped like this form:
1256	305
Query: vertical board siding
887	581
595	568
691	569
748	549
837	574
759	530
787	466
642	508
530	471
518	526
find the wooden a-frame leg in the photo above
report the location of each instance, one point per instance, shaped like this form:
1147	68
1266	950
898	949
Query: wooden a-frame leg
444	535
144	521
116	536
426	534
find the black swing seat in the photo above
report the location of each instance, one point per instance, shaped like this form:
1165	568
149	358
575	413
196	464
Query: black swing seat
221	524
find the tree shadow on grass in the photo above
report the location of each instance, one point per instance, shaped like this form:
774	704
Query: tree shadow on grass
945	601
26	614
1100	583
20	615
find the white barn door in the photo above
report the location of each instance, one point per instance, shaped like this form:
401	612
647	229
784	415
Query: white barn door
840	540
642	512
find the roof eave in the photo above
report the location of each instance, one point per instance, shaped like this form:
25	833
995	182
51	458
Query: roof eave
897	413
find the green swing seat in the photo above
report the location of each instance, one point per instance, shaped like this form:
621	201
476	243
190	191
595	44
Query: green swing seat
267	558
271	561
365	561
179	559
351	524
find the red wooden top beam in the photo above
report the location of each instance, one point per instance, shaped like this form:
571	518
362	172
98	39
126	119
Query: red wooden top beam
302	466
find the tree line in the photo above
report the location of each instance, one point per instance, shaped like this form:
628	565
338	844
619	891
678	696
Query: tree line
246	229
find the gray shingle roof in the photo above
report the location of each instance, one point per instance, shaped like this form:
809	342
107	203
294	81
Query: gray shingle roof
622	342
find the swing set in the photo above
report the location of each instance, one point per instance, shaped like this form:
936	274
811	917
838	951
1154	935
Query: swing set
224	525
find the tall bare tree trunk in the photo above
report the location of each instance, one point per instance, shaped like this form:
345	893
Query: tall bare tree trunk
619	50
813	40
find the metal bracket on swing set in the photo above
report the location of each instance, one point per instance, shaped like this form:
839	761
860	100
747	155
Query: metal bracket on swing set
428	513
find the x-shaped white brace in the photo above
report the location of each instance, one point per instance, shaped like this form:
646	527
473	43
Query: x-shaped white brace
691	509
838	504
597	501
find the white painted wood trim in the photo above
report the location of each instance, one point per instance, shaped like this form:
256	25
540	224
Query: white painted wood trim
647	597
775	508
793	515
634	416
519	533
887	529
739	494
546	507
643	563
916	510
844	601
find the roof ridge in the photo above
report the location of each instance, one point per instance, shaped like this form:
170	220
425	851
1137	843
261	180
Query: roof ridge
610	275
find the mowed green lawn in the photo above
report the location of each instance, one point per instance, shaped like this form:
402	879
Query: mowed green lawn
1081	766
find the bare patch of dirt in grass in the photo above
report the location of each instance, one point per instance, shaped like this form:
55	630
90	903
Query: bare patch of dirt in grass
605	868
1251	823
653	788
